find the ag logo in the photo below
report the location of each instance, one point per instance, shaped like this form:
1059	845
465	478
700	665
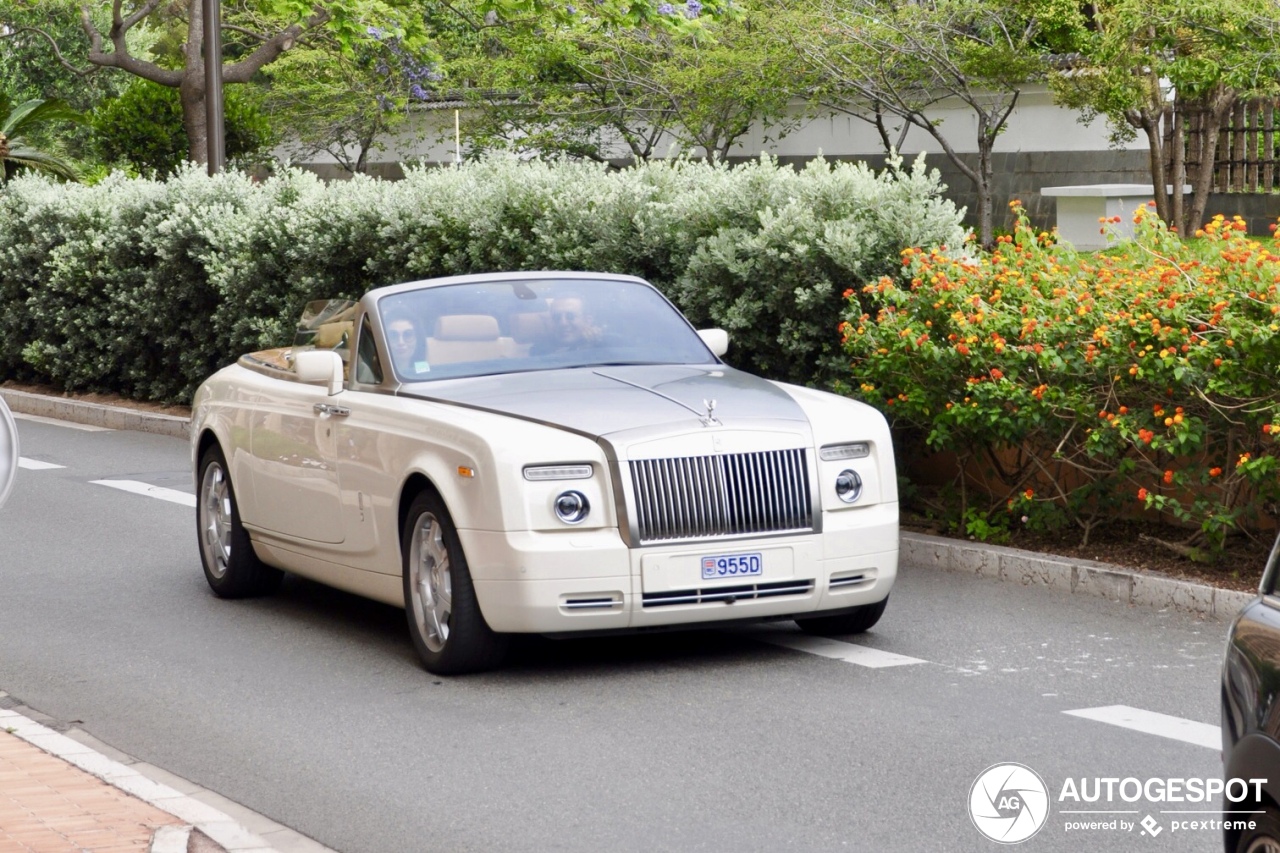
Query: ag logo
1008	803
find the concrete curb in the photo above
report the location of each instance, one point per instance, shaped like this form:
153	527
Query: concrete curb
95	414
1080	577
1029	568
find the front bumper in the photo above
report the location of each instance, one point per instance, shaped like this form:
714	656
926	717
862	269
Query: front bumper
590	580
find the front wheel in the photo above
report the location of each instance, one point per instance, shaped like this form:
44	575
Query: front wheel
854	622
230	566
445	622
1264	837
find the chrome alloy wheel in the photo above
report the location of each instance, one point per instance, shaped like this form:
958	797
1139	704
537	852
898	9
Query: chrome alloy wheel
215	519
430	582
1265	844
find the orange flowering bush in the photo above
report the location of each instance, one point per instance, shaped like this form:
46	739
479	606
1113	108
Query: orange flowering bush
1146	375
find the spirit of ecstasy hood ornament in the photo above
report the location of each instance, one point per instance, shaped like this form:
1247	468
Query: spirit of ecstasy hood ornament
710	419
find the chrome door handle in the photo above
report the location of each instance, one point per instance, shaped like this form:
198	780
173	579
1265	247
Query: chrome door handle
335	411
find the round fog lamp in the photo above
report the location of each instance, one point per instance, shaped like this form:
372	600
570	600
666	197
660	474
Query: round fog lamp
572	507
848	486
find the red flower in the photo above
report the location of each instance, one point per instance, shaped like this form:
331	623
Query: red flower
1168	477
1142	494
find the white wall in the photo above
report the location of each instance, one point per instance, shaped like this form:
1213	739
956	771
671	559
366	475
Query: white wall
1036	125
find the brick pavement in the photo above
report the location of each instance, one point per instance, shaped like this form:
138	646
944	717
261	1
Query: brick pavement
49	806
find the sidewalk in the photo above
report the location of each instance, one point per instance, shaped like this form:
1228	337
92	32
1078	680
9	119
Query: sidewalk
49	805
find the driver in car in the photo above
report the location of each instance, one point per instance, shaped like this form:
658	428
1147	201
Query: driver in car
572	328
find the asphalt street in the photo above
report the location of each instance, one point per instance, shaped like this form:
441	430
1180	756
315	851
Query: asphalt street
310	707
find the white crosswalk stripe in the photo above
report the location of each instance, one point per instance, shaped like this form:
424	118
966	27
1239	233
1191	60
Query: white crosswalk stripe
837	650
1152	723
36	464
159	492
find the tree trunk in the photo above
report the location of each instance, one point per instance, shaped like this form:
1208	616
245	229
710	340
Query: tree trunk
191	90
1217	106
1178	166
986	225
1155	162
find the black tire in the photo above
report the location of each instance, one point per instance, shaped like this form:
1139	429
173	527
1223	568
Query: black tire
854	622
445	622
1264	837
230	566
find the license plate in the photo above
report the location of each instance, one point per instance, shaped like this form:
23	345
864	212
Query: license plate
732	566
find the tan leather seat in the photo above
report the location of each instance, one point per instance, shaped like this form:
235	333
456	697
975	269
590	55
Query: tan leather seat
468	337
530	329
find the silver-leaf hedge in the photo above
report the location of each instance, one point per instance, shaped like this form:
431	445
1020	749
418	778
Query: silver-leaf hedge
144	288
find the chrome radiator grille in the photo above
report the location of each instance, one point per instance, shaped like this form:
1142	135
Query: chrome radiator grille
732	494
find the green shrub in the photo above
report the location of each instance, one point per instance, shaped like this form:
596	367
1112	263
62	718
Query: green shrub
145	287
143	128
1091	386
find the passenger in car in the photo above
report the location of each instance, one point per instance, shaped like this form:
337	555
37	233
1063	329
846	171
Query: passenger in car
406	345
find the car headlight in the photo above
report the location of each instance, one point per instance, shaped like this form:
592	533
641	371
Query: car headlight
557	472
572	507
837	452
848	486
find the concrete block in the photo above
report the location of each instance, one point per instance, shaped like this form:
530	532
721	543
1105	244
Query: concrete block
926	551
976	561
1103	583
1167	593
1028	570
1227	603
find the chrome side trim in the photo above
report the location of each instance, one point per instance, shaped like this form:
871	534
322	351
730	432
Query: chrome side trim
727	594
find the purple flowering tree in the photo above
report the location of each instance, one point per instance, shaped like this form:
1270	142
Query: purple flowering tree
347	103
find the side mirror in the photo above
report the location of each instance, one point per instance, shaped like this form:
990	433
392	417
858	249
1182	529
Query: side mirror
319	367
717	340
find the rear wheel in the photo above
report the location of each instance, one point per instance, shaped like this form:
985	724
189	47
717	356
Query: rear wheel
853	622
230	566
445	622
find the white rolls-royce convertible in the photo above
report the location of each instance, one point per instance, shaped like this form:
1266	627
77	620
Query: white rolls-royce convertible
554	453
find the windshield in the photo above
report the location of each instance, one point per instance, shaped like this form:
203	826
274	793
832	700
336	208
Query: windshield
459	330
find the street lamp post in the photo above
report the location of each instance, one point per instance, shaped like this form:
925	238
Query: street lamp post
215	132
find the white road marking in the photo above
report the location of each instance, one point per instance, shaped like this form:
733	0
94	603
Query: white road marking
36	464
149	490
836	650
22	416
1176	728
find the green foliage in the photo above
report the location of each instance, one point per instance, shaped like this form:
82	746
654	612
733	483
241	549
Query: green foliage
143	287
1141	56
1143	378
883	58
631	93
143	129
16	122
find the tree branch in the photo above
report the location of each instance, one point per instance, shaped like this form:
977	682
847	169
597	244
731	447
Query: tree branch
271	49
57	52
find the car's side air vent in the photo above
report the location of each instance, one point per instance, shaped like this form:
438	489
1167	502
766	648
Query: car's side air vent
849	580
727	594
592	601
731	494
